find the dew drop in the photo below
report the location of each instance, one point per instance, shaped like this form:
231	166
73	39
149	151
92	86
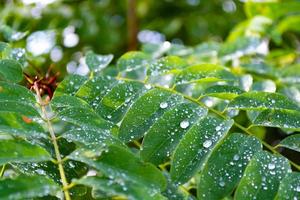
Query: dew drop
148	86
273	101
163	105
222	183
271	166
236	157
298	188
218	128
108	116
207	143
184	124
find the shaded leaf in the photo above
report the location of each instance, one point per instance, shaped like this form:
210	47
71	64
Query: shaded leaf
291	142
279	118
21	151
114	187
119	163
289	187
10	70
24	187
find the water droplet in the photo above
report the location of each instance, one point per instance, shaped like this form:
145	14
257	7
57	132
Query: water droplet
163	105
207	143
298	188
148	86
236	157
222	183
218	128
273	101
184	124
108	116
271	166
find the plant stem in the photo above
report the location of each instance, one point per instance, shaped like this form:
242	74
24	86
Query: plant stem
54	142
244	129
2	170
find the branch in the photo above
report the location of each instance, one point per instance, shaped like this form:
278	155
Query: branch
54	141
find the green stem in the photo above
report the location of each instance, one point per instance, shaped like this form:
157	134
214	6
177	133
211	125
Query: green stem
54	142
2	170
269	147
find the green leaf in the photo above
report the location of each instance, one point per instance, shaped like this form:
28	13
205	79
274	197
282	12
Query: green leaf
223	91
16	93
116	102
174	192
119	163
259	68
24	187
114	187
20	125
289	187
21	151
225	166
163	136
290	74
262	100
10	70
196	146
147	108
240	47
97	62
70	85
262	177
279	118
132	60
291	142
166	64
95	89
204	73
19	107
85	146
83	117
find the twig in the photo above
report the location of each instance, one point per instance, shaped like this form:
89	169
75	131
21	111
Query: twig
54	141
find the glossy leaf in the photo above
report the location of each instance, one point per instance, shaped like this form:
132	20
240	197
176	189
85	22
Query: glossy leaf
116	102
21	151
291	142
279	118
261	101
166	64
118	162
262	177
223	91
25	187
10	70
20	125
227	164
195	147
163	136
132	60
204	73
70	85
131	190
147	108
97	62
289	187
